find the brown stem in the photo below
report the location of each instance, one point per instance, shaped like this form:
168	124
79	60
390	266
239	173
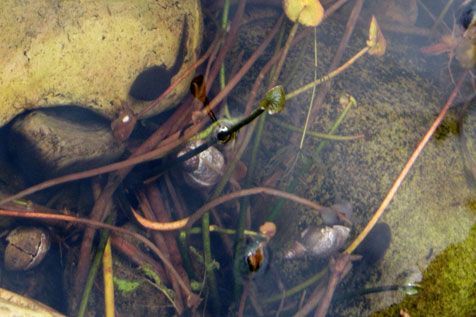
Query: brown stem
244	296
136	256
189	221
314	299
180	78
339	267
192	299
101	209
162	244
161	214
229	41
244	69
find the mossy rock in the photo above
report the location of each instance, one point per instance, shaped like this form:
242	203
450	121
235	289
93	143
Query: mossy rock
89	52
448	287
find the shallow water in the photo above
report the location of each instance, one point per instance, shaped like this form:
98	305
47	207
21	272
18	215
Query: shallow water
363	127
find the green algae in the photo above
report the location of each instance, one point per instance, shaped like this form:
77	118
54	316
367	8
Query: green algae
125	286
448	285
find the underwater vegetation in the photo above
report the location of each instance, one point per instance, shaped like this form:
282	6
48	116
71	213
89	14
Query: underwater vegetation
448	287
283	158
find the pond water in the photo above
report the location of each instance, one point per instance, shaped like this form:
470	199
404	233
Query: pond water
292	191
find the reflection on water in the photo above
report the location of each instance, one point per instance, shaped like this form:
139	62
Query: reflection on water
380	73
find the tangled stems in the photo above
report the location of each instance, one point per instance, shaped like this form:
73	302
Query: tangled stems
189	221
329	76
192	299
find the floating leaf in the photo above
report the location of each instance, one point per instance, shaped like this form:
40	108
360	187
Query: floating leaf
376	41
274	100
306	12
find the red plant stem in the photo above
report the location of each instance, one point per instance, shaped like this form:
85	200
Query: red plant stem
314	299
244	296
189	221
180	78
246	67
334	7
160	213
136	256
229	41
339	268
161	243
103	207
192	299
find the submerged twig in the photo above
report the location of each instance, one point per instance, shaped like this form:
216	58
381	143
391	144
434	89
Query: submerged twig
192	299
329	76
189	221
161	243
319	135
339	267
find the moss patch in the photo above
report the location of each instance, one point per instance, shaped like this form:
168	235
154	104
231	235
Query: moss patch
449	284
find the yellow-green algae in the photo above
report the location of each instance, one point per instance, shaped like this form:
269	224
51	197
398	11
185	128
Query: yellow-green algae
89	52
448	285
125	286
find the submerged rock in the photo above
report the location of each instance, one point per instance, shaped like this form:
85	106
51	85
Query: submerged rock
45	144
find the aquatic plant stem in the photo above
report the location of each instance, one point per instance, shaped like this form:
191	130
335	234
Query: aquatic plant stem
350	103
108	280
189	221
312	300
280	203
441	16
318	135
217	229
329	76
209	268
340	266
92	273
311	102
297	288
182	77
224	25
160	241
284	53
192	299
408	165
